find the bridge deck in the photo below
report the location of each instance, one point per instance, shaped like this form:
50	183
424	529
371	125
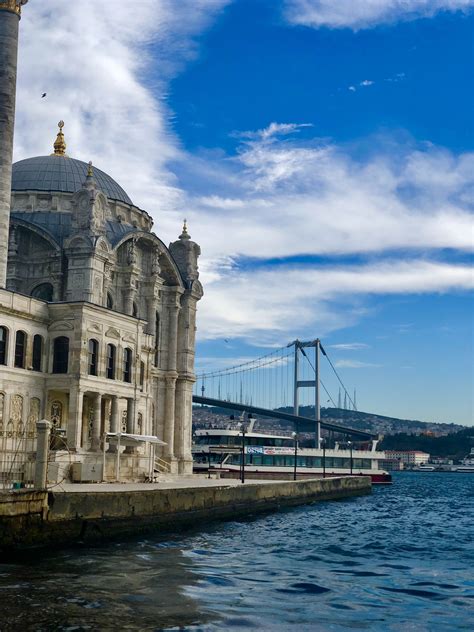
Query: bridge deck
301	424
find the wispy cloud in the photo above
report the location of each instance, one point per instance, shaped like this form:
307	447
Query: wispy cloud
354	364
362	14
366	83
350	346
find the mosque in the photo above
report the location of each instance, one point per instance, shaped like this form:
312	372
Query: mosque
97	315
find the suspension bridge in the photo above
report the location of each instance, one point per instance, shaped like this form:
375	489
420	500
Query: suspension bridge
267	386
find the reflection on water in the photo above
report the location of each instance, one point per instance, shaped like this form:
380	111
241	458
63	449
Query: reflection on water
400	559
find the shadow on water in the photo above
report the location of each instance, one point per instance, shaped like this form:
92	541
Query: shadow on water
133	585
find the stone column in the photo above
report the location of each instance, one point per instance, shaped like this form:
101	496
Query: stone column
169	417
114	420
42	451
131	422
9	22
183	426
152	304
95	444
74	423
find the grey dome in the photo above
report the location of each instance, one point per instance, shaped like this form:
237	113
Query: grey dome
61	173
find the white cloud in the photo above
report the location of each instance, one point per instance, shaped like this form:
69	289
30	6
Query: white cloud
360	14
349	346
352	88
319	200
269	304
366	82
91	59
354	364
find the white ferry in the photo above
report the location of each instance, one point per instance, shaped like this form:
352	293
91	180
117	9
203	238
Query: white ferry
467	464
273	456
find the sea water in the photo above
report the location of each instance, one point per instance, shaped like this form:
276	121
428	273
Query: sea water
399	559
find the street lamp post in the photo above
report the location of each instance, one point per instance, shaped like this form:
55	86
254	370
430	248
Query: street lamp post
350	448
323	441
243	428
295	439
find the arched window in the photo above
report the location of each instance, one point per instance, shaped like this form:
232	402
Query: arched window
110	368
44	291
134	310
37	352
110	301
20	349
127	365
142	374
3	345
93	356
157	338
60	354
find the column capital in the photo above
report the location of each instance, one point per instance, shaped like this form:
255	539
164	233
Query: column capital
14	6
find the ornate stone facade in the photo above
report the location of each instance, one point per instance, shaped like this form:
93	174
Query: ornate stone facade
97	324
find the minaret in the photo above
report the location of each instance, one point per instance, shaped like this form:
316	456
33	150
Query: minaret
10	13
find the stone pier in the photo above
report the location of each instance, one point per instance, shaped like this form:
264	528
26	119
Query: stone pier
87	513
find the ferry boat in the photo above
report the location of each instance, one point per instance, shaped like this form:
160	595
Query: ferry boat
467	464
273	456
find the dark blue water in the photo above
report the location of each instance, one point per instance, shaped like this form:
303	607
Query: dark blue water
401	559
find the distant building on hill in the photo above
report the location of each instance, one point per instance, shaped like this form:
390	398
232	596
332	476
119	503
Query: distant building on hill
409	458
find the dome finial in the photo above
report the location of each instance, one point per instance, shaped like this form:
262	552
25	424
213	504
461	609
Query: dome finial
13	5
185	234
90	172
60	143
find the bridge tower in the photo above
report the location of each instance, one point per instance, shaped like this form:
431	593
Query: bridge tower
300	347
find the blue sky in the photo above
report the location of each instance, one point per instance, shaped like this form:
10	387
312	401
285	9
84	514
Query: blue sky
322	153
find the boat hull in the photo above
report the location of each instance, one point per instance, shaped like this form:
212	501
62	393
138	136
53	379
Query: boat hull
377	478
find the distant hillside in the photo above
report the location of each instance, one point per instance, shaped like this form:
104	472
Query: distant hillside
454	446
377	423
359	420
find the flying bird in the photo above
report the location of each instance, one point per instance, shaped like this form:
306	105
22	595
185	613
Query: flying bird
43	95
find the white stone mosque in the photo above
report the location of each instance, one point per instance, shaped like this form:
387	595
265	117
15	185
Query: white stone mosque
97	315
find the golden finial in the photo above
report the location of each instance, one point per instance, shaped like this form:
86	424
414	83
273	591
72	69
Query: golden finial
90	172
60	143
13	5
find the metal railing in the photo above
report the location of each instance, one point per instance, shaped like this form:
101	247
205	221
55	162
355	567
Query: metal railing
17	458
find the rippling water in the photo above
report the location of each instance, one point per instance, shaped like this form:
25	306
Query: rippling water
401	559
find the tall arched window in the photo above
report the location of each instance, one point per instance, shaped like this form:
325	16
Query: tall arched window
110	301
134	309
110	368
44	291
37	353
3	345
127	365
20	349
60	354
93	356
142	375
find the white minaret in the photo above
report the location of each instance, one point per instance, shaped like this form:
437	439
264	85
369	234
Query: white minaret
10	13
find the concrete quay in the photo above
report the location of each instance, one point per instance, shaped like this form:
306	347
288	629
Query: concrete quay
70	514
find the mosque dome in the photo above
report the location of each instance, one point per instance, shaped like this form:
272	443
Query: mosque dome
62	174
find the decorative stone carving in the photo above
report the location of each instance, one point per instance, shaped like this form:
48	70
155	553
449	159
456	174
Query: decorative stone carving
56	414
